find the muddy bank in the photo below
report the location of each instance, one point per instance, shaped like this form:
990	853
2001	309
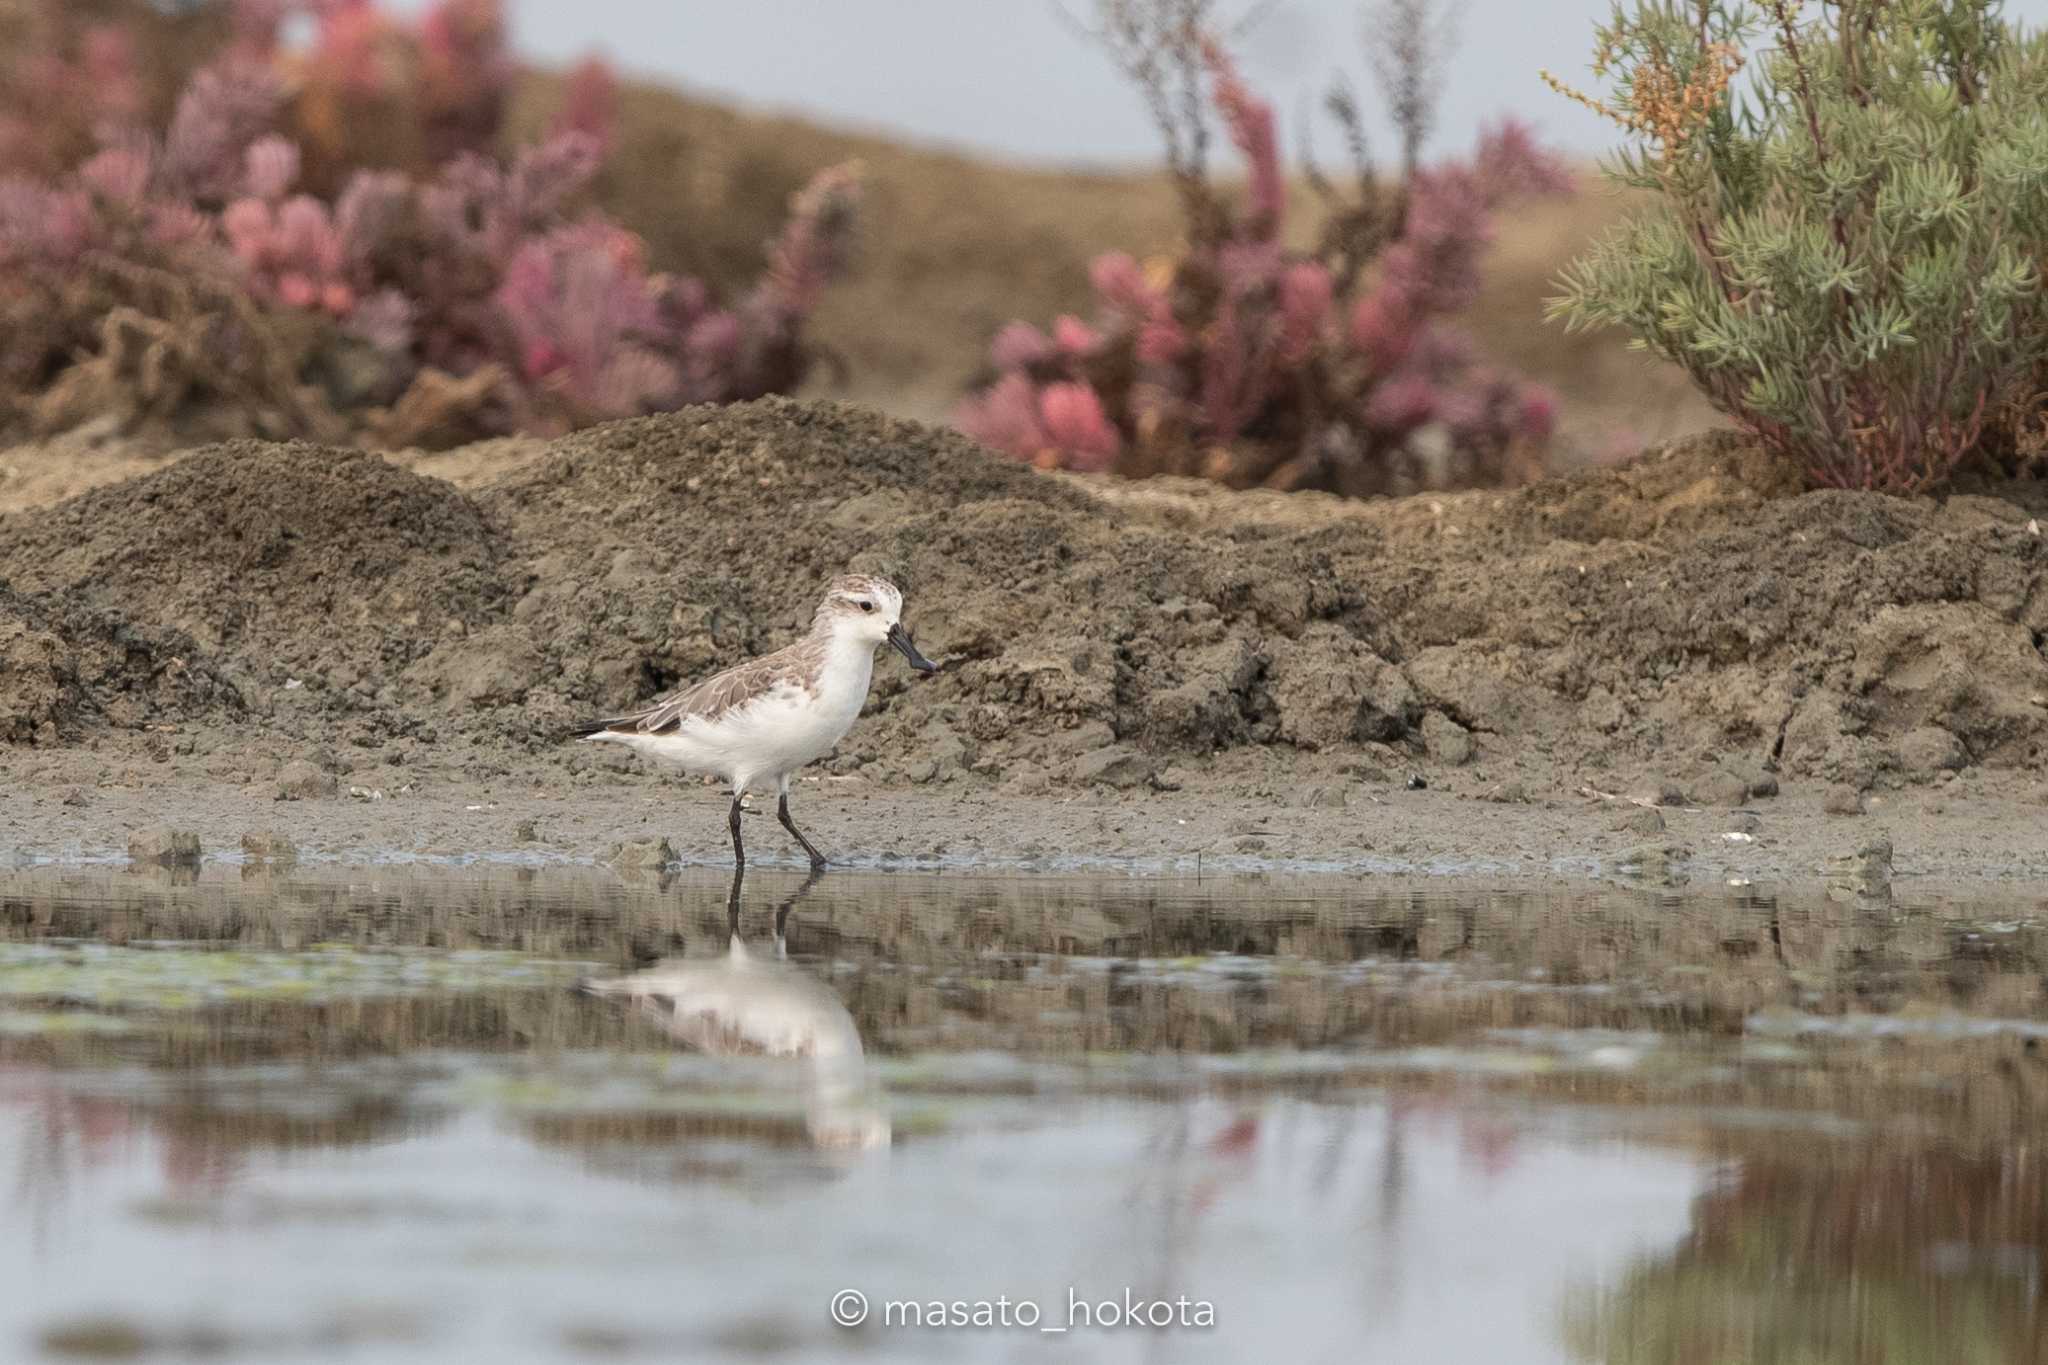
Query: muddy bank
1685	629
1969	832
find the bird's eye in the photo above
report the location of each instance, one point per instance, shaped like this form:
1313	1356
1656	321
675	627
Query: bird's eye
867	606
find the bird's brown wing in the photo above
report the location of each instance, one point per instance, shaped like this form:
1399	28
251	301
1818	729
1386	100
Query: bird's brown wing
712	698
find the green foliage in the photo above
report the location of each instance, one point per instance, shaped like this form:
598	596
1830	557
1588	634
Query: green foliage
1846	255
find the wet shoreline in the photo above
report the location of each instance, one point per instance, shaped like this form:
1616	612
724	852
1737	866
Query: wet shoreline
1975	832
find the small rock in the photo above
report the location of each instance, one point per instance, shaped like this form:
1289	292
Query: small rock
634	854
1026	779
1724	789
1368	772
1449	742
1928	750
1170	779
268	845
922	771
950	751
1865	872
166	847
1641	820
299	780
1085	738
1115	766
1324	798
1842	800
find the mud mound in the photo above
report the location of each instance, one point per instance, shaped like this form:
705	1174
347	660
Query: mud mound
777	450
1687	615
63	668
1838	635
1703	483
669	546
1690	611
282	562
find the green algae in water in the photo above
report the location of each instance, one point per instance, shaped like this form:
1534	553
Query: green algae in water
62	1024
101	976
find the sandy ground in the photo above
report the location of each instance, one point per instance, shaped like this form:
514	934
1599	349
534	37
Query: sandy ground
1974	828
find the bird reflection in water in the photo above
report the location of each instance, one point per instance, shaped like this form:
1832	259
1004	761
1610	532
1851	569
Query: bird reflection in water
750	1003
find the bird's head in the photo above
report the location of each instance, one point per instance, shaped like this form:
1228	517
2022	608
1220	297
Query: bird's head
869	609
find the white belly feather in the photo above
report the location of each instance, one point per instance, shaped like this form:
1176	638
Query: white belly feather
765	739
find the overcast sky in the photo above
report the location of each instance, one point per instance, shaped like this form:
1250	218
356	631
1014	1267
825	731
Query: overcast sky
1008	77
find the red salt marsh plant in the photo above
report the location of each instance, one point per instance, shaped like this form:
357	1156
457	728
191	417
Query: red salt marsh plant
1241	359
202	266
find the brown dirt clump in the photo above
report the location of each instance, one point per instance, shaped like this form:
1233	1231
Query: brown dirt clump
277	563
1688	615
63	667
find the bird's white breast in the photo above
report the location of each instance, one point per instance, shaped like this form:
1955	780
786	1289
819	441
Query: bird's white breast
776	733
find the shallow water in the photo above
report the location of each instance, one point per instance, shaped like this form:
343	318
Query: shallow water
318	1113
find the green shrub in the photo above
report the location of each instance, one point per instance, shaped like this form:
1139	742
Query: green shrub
1845	256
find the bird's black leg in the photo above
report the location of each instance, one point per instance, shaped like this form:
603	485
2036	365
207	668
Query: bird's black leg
732	903
739	850
782	911
782	814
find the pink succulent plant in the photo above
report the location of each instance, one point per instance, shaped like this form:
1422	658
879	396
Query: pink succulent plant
1074	337
483	263
1304	371
1076	425
1250	121
590	102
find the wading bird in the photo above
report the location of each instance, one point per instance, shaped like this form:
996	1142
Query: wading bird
760	722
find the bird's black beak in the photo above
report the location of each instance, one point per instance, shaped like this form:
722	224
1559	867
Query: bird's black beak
900	638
